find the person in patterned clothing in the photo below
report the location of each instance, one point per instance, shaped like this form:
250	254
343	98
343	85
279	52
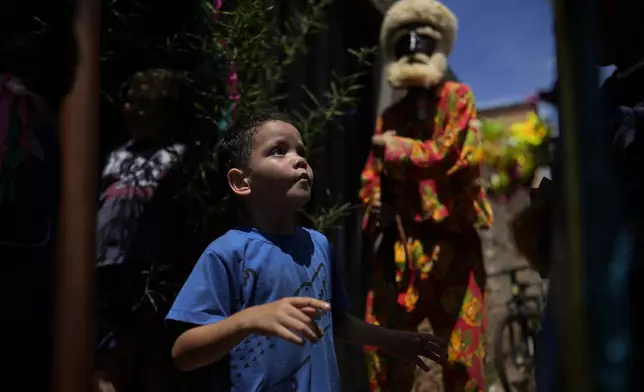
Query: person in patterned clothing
423	201
143	238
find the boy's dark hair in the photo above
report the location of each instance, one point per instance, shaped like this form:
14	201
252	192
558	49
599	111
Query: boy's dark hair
235	147
233	151
170	94
157	85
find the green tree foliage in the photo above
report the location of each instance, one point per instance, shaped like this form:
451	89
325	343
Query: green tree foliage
194	38
143	34
263	50
199	42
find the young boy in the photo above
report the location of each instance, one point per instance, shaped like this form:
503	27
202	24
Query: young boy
142	239
266	296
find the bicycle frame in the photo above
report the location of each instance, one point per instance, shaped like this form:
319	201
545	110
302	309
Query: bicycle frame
524	312
520	300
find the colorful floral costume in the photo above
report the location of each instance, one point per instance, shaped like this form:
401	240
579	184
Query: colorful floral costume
429	262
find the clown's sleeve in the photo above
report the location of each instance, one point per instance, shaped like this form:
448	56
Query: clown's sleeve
370	181
452	146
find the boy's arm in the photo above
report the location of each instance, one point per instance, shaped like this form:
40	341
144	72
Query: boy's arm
207	299
206	302
206	344
352	330
289	318
403	345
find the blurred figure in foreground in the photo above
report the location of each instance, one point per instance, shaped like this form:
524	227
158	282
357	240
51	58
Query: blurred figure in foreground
621	44
28	211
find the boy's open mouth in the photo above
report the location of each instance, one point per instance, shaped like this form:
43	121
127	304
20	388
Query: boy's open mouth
304	177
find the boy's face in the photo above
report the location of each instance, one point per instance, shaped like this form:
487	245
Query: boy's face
145	118
279	175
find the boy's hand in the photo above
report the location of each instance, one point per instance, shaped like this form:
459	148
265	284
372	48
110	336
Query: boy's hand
286	317
410	346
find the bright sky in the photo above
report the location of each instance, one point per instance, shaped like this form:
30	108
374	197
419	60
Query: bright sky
505	49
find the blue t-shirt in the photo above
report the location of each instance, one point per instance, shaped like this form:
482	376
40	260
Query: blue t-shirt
244	268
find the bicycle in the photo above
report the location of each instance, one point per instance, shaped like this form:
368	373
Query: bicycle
519	329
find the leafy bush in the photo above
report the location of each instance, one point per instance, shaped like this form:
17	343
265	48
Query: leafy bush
195	37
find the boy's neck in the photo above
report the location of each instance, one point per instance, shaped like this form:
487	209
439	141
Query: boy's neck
272	220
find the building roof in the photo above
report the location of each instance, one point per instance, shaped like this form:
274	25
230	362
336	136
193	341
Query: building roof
508	113
500	110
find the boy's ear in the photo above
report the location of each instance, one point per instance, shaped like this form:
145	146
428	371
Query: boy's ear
238	182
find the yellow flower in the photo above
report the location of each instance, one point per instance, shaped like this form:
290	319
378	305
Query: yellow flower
409	299
425	265
480	351
455	346
518	128
510	149
416	150
471	312
414	247
532	131
399	253
478	155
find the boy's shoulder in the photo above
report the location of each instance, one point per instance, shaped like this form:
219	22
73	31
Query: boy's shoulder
321	242
317	237
232	241
237	241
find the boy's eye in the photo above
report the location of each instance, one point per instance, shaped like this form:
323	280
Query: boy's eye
285	149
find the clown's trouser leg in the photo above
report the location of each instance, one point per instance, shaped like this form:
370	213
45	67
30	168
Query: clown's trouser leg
455	309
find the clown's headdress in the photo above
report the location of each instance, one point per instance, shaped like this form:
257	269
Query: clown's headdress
416	37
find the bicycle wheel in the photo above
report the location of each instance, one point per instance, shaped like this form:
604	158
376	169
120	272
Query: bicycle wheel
515	343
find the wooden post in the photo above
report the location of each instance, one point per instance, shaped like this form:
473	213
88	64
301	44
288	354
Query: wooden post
571	317
591	315
75	267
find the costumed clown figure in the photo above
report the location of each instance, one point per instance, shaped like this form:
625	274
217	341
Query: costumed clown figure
424	201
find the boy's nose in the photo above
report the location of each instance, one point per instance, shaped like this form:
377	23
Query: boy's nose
299	162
